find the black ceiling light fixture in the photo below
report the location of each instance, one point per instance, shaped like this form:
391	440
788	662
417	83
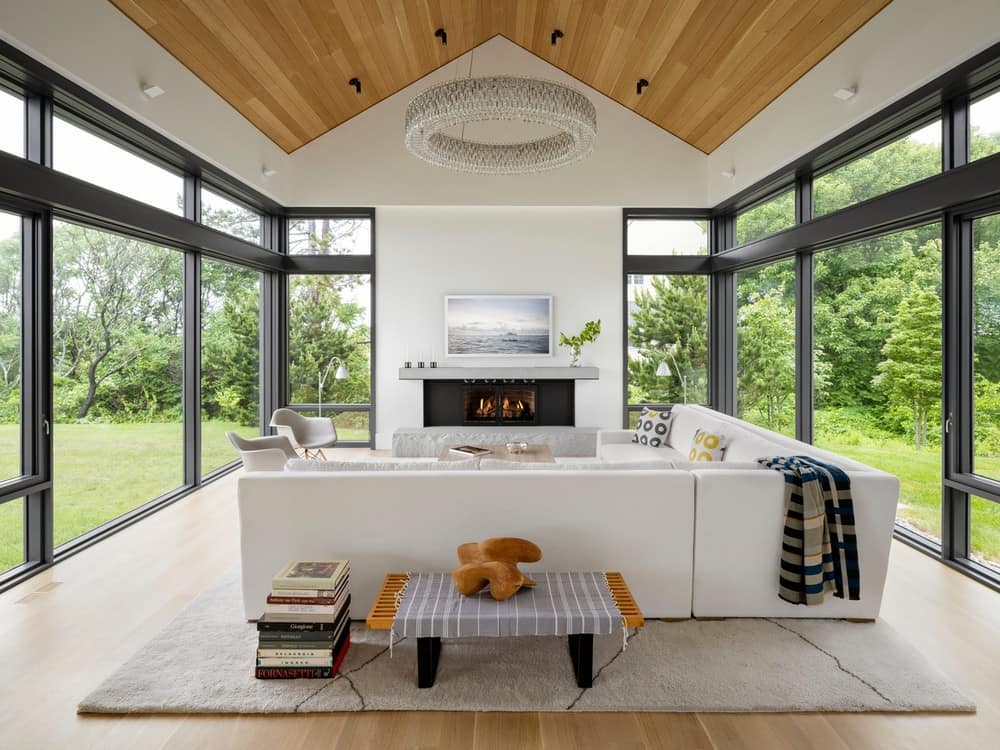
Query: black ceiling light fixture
640	85
356	84
443	36
556	36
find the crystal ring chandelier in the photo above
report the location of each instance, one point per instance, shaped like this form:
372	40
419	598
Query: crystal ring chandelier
501	98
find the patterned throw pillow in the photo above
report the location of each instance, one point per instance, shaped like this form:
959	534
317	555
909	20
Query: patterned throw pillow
707	446
653	428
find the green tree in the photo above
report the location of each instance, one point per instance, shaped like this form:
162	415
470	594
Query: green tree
911	371
765	329
669	315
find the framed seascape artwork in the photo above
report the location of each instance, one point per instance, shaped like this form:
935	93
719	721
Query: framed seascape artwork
498	325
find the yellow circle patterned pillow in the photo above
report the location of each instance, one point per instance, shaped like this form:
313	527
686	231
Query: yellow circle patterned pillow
707	446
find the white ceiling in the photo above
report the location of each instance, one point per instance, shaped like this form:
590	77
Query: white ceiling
635	163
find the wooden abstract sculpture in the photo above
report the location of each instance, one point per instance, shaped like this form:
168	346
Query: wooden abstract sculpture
494	562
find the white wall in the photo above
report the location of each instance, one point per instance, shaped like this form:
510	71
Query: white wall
364	162
424	253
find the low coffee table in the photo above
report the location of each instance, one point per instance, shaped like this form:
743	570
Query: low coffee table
533	454
392	596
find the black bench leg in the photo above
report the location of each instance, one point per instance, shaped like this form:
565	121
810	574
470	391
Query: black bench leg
581	651
428	651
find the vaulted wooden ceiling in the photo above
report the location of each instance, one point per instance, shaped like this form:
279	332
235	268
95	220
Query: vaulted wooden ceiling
711	64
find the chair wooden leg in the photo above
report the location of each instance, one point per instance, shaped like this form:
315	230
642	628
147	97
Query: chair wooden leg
321	453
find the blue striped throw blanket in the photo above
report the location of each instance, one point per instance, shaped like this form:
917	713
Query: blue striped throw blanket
819	549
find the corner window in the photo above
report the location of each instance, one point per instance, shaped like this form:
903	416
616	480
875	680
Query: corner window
656	236
226	215
984	126
766	218
906	160
667	325
765	346
11	123
87	156
330	236
986	346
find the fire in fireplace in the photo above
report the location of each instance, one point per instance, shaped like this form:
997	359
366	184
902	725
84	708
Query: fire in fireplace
495	404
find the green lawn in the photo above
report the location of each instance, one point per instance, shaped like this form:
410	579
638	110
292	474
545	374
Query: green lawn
105	470
919	475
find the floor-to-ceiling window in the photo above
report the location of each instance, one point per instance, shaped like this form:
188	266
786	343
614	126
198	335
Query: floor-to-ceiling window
117	362
10	346
765	346
329	325
666	309
11	330
667	323
877	360
984	515
230	359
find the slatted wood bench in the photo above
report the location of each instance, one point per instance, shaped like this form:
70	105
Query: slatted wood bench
581	645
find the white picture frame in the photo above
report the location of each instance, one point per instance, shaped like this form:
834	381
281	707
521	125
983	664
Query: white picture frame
498	325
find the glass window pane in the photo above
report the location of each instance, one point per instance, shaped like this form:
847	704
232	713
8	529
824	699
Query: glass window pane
667	237
89	157
984	126
230	217
11	123
10	346
117	347
911	158
230	359
767	218
984	531
330	236
11	534
765	346
986	346
328	319
667	322
877	360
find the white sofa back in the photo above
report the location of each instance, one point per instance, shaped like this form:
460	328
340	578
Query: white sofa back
637	522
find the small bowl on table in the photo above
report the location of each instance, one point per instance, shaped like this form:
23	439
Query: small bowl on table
516	448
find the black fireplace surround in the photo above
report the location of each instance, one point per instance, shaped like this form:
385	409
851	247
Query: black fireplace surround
449	403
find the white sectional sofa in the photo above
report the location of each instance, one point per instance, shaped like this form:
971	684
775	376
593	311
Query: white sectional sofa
636	522
688	537
739	513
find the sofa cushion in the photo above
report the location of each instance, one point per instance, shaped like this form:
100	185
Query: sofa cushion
633	452
302	464
707	446
653	428
499	464
729	465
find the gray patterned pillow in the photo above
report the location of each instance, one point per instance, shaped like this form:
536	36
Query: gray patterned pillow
653	428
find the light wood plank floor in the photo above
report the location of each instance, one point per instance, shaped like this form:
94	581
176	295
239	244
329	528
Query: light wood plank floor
68	628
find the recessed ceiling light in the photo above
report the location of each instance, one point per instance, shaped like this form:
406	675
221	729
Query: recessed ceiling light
729	173
151	90
845	94
268	171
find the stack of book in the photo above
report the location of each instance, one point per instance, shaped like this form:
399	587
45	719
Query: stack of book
305	630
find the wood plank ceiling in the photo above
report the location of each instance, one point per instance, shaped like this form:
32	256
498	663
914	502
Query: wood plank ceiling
711	64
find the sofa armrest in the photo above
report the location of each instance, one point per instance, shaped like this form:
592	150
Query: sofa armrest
266	459
612	437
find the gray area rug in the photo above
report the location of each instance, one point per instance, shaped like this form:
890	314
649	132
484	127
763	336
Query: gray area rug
202	663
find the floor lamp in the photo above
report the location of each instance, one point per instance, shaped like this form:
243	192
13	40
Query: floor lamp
663	371
341	374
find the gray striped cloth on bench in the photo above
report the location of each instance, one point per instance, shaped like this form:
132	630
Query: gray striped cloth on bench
561	604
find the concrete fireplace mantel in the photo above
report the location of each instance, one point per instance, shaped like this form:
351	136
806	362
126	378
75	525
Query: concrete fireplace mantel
499	373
